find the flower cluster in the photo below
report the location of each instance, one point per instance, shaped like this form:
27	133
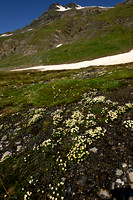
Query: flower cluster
58	132
75	129
109	102
77	115
98	99
94	100
46	143
96	133
121	109
27	195
128	124
129	105
90	120
79	151
61	164
38	115
112	115
87	97
56	191
76	118
57	117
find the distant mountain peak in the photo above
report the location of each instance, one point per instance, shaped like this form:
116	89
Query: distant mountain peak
53	6
58	7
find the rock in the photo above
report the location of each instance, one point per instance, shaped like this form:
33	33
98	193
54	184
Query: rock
53	6
124	165
19	147
131	186
104	194
82	181
119	172
17	143
113	185
131	176
94	150
119	181
124	179
4	138
69	190
63	179
130	198
6	154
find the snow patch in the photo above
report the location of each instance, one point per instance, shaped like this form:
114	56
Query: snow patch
108	60
27	30
59	45
62	8
30	29
105	7
6	35
79	7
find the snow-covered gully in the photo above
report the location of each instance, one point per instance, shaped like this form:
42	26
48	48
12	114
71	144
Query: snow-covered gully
108	60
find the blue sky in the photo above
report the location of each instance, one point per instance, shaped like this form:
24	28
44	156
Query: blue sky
16	14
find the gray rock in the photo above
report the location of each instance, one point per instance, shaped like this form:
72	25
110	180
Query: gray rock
94	150
19	147
119	172
131	176
104	194
124	179
131	186
130	198
4	138
113	186
69	190
124	165
63	179
17	143
119	181
82	181
6	154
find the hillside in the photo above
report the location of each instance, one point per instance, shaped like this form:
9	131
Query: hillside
67	134
85	34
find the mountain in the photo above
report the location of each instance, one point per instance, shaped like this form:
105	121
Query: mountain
124	2
69	33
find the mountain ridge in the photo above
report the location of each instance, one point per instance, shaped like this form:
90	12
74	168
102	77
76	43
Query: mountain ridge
86	28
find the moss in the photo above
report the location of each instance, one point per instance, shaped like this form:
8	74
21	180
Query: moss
46	125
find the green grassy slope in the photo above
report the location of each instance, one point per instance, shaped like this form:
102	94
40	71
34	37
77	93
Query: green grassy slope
51	120
88	37
54	88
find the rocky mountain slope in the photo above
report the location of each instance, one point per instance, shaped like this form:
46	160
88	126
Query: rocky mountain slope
72	26
67	135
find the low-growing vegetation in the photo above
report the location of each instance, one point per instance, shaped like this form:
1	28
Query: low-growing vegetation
63	135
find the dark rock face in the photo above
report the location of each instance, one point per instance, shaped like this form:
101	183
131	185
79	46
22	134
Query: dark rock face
54	6
14	46
71	5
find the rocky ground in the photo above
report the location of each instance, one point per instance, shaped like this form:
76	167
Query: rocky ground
81	150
